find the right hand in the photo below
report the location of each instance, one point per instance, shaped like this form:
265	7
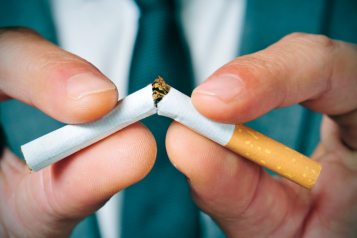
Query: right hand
238	194
51	202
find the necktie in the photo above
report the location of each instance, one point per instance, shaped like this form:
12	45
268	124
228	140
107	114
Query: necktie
160	205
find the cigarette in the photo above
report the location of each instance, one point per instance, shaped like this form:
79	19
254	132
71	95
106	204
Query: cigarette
243	140
166	101
69	139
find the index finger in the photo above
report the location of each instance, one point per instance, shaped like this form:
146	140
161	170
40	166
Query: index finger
62	85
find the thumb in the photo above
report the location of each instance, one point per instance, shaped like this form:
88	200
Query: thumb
301	68
64	86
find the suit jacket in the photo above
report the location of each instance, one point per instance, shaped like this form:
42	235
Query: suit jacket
266	22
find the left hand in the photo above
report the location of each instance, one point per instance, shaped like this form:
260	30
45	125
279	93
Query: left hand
52	201
243	198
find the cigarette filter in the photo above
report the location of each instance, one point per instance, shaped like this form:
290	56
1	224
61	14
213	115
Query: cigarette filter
243	140
274	156
69	139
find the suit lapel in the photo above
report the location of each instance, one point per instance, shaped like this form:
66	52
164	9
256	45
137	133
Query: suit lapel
34	14
268	21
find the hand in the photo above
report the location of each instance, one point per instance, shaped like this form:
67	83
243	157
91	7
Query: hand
51	202
241	197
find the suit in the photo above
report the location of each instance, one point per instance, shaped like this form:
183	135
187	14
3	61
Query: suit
266	22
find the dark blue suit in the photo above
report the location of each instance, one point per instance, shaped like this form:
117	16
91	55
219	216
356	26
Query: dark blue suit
266	22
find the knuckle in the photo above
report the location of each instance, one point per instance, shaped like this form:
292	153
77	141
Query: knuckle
295	35
254	64
260	68
321	43
54	60
14	33
57	63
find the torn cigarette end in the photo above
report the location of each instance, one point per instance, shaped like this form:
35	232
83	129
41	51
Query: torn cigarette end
159	90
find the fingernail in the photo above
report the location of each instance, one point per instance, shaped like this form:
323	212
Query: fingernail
225	86
81	85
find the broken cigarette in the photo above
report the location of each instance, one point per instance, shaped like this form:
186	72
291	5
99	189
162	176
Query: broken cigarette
243	140
166	101
54	146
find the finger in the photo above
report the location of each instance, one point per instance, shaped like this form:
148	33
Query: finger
348	128
242	198
56	198
312	69
61	84
332	143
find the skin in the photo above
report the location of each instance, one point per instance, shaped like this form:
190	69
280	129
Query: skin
49	203
240	196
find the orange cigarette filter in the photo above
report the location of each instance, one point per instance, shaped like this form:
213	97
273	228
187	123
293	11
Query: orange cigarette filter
274	156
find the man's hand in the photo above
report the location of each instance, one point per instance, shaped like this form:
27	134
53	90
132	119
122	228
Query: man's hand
51	202
242	198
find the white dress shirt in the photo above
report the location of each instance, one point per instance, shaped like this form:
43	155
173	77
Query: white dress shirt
104	31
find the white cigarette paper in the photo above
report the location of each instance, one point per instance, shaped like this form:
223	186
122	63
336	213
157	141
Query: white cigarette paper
69	139
179	107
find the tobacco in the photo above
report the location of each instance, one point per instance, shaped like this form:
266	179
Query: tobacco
159	90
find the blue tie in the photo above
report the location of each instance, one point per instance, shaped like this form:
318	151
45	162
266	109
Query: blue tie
160	205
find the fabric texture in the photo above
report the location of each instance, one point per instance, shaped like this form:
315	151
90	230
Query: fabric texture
160	205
